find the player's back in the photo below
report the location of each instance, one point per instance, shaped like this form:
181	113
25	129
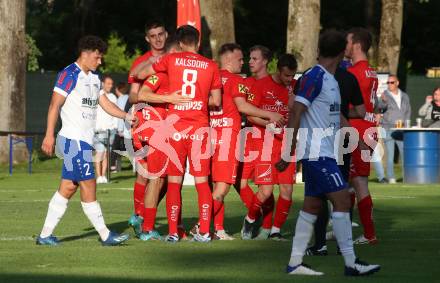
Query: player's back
195	76
367	80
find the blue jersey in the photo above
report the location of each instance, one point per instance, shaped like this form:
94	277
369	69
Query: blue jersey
319	92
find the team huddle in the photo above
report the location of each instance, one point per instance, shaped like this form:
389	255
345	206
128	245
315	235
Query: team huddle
231	130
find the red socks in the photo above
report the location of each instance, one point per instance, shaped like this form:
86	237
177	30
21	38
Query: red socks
247	195
138	197
149	219
173	203
268	207
254	211
218	213
282	211
365	207
205	206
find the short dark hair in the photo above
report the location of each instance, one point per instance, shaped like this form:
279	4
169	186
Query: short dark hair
170	42
362	36
187	35
104	77
287	60
435	89
153	24
228	47
265	52
331	43
122	87
91	43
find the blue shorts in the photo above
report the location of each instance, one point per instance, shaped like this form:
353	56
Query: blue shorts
77	159
321	177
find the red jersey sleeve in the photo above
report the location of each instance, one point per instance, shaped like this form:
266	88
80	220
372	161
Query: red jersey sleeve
254	95
161	64
216	82
238	88
154	82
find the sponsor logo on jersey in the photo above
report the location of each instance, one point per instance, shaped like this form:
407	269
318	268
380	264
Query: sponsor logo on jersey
277	107
224	80
335	107
193	105
153	79
242	88
250	97
369	73
221	122
88	102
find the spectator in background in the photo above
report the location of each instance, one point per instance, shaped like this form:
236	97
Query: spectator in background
430	111
104	123
123	132
398	107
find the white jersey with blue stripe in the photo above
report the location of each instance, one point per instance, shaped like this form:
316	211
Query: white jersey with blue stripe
319	92
78	113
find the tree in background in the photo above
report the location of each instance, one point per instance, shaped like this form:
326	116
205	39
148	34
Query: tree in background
390	36
33	53
12	72
303	31
117	59
217	25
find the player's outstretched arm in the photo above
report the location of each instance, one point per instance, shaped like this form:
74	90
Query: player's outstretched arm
133	95
113	110
293	125
146	94
52	117
215	98
251	110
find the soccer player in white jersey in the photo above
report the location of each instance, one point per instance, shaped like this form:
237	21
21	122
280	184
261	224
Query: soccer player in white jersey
76	95
317	112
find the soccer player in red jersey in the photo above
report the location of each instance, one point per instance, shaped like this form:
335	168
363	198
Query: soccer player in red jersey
153	160
155	35
272	93
198	78
226	122
358	43
259	58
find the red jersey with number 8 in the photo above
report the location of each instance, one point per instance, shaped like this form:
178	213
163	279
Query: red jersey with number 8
195	76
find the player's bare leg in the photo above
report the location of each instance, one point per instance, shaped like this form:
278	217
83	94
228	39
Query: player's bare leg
365	207
282	211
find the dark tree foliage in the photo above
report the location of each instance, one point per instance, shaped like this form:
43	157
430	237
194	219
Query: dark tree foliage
57	29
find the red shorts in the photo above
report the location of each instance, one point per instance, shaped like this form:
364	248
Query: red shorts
263	168
249	154
361	166
193	144
224	164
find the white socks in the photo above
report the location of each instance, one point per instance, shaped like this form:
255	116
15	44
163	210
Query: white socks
57	208
343	233
303	234
93	212
275	230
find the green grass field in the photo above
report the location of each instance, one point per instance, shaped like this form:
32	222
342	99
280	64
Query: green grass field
407	219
